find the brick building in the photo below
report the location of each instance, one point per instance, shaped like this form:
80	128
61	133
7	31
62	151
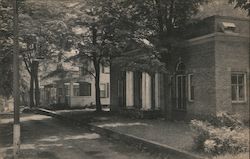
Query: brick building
210	75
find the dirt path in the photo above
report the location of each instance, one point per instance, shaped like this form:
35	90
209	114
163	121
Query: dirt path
45	137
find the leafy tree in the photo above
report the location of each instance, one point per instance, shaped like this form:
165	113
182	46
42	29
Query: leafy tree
5	51
162	22
42	36
6	45
101	31
41	33
110	28
244	4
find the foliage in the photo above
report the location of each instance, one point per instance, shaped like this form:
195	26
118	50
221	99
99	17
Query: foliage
243	4
5	51
229	156
222	135
222	8
162	22
224	119
101	31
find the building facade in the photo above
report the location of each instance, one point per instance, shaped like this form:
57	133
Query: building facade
210	75
77	87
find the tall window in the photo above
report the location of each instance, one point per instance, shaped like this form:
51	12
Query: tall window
76	89
238	86
84	89
190	87
104	90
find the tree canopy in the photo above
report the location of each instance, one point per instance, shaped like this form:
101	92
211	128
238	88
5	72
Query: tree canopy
243	4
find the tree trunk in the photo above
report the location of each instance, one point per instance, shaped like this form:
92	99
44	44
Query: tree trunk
159	17
31	92
96	62
170	19
97	88
36	80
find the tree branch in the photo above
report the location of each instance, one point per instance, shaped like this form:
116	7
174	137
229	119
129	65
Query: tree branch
26	64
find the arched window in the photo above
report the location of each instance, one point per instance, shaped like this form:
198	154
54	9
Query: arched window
180	67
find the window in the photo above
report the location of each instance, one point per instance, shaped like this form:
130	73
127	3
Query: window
60	90
67	89
84	71
190	87
238	86
104	90
84	89
181	92
105	69
76	89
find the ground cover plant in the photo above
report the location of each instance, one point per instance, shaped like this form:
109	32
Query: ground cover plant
221	135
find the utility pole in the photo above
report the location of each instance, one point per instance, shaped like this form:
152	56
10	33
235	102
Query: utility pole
16	126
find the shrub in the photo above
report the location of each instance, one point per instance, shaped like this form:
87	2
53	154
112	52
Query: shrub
229	156
226	135
227	120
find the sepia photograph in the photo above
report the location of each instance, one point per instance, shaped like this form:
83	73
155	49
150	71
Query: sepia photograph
124	79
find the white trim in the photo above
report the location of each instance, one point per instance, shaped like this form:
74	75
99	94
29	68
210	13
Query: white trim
228	24
201	37
210	37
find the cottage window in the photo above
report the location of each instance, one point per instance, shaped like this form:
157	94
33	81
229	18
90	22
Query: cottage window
238	86
67	89
105	69
76	89
84	89
60	90
104	90
190	88
83	71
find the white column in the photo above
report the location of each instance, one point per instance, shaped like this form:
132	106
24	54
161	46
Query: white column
146	91
129	89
